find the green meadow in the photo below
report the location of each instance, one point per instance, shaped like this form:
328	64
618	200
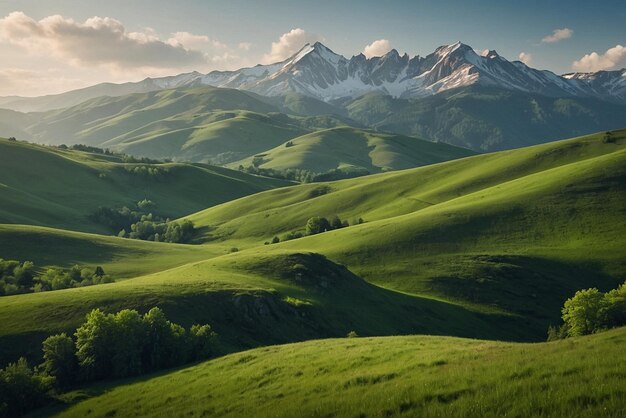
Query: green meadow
450	278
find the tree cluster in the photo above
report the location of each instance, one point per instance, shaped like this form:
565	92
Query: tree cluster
148	171
23	277
301	175
105	346
159	231
590	311
316	225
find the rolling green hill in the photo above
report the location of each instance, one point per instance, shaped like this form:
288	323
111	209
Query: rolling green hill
393	376
197	124
62	188
518	230
346	148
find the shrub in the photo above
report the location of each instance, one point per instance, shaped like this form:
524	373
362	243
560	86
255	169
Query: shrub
585	312
352	334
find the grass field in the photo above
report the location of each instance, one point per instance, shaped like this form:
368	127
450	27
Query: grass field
487	246
61	188
421	376
347	148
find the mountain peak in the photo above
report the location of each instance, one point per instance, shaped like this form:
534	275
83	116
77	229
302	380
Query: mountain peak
491	54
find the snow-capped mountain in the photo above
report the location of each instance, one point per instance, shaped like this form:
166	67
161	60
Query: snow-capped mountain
318	72
603	82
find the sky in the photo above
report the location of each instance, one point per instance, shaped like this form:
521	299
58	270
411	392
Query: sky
52	46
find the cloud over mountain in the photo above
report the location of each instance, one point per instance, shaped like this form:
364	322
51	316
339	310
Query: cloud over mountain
613	59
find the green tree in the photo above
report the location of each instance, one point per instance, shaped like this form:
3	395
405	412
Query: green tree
616	306
316	225
585	312
336	223
127	339
94	349
21	389
60	359
203	342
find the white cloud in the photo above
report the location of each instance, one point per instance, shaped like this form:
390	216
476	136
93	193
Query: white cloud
97	41
558	35
288	44
613	59
377	48
525	57
245	45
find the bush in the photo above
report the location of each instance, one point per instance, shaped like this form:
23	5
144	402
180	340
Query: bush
352	334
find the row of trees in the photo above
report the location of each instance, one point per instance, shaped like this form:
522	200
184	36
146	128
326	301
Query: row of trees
590	311
105	151
104	346
169	231
140	222
303	176
317	225
22	277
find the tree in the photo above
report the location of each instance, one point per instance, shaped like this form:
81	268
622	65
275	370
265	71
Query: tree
21	389
94	349
203	342
127	339
99	271
616	309
316	225
336	223
24	275
60	359
275	240
585	312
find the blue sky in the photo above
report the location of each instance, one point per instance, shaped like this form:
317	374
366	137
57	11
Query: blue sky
233	33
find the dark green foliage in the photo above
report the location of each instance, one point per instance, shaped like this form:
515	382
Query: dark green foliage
60	359
302	175
138	223
203	341
16	278
21	389
317	225
127	344
275	240
175	232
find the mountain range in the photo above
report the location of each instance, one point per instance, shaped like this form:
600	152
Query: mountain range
316	71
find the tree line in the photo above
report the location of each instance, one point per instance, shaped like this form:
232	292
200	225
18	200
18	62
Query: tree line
304	176
23	277
105	346
590	311
316	225
141	222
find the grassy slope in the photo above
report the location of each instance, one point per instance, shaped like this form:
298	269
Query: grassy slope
251	299
220	141
394	376
346	148
517	231
196	124
51	187
520	230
